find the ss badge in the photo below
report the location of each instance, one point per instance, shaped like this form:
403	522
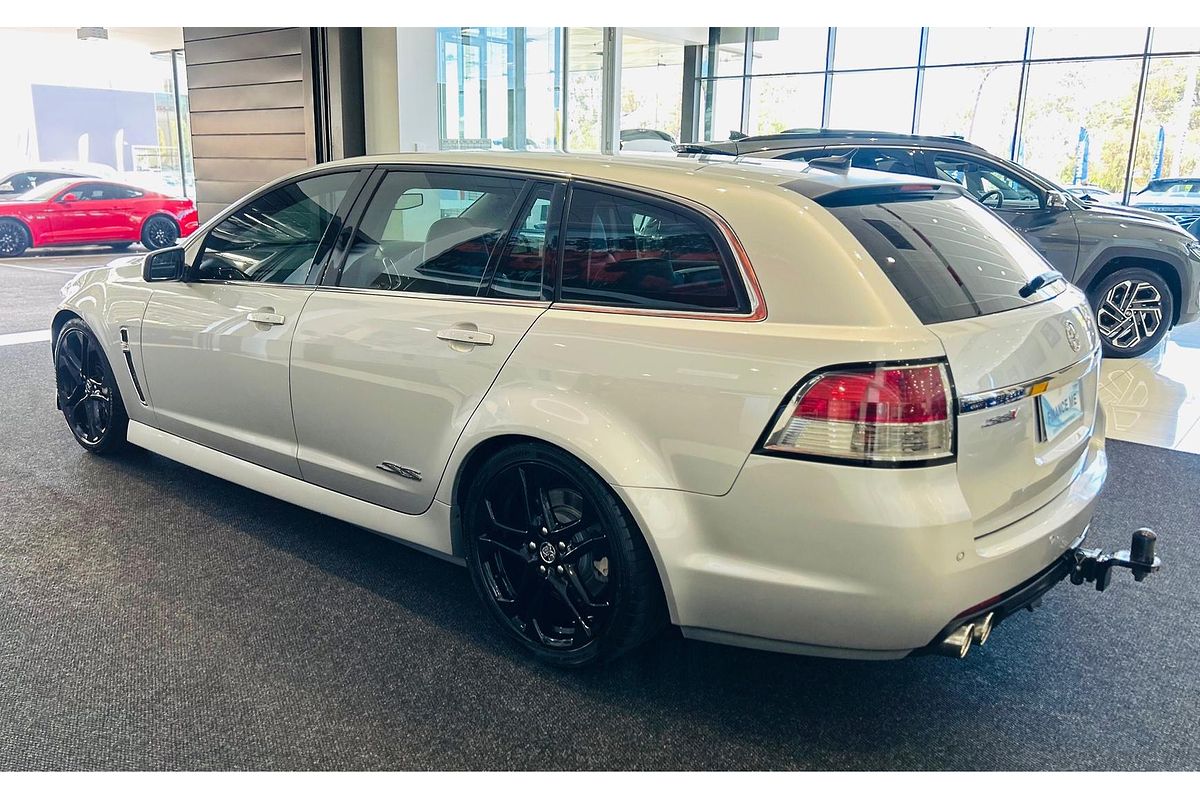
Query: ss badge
1007	416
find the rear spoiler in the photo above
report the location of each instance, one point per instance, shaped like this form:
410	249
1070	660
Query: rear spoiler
701	149
889	193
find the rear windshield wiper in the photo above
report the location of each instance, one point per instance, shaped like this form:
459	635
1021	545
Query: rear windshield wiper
1040	281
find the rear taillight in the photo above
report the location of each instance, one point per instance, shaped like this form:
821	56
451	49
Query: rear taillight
869	414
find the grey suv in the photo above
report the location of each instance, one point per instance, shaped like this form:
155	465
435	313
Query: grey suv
1140	270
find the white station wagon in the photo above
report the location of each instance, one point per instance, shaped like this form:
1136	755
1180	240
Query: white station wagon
791	407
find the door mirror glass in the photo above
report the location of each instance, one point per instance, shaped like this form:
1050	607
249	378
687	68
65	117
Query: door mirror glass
164	265
1055	200
69	197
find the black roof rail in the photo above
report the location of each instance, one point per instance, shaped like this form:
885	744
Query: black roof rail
800	134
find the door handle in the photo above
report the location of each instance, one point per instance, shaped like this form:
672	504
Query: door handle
466	336
265	316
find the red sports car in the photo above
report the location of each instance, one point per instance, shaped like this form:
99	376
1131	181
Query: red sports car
90	211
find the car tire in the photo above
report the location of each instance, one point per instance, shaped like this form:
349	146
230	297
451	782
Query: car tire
14	238
581	590
1133	309
158	232
88	395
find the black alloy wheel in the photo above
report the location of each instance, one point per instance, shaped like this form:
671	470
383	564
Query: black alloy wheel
557	559
1134	309
14	238
159	232
87	392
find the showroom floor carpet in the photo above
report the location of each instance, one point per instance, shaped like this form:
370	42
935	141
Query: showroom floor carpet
152	617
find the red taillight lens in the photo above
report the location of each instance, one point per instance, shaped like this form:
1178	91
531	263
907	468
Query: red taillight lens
885	414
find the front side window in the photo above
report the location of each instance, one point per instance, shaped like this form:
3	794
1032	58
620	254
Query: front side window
987	183
274	238
430	232
88	191
621	251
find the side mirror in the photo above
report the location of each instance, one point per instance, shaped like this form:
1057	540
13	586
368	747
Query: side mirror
69	197
1055	200
164	265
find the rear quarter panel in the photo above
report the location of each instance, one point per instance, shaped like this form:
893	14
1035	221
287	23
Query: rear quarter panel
650	400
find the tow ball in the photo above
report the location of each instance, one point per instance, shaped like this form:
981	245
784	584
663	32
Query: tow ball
1095	565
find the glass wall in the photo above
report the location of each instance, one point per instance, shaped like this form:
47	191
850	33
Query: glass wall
499	87
120	117
1063	101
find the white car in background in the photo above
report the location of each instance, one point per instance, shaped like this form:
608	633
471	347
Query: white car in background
841	414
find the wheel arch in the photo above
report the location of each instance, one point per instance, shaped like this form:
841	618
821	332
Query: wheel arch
158	213
478	454
1161	264
61	317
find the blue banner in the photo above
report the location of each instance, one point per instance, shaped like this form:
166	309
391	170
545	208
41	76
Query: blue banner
1081	157
1159	152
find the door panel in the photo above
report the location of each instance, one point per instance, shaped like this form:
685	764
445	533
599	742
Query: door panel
216	376
393	377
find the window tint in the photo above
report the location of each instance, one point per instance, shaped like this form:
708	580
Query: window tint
987	183
519	270
274	238
625	252
89	191
430	232
949	259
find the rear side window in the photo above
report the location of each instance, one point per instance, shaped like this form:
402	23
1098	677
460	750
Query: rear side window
621	251
430	232
949	258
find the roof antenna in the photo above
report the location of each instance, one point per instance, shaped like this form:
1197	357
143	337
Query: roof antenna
735	135
840	164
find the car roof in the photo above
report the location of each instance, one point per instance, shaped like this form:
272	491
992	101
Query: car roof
675	174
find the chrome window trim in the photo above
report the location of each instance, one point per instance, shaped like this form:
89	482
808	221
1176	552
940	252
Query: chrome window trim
994	398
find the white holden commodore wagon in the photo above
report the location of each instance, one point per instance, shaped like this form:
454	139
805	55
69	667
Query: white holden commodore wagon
820	411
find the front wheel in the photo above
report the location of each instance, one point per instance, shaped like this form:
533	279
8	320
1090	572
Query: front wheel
87	391
1133	311
14	238
557	559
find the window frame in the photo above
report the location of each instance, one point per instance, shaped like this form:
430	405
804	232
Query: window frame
324	246
749	302
553	254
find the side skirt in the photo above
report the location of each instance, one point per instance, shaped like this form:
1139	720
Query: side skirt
429	532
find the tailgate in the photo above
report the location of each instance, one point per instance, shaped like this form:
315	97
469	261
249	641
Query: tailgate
1026	382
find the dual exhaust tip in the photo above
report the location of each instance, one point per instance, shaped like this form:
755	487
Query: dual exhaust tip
959	642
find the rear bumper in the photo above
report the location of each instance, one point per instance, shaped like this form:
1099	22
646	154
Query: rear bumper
850	562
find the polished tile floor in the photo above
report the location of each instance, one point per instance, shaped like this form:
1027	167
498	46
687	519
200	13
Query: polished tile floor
1155	399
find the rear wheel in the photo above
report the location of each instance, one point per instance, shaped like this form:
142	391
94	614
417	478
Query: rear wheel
87	391
159	232
1133	311
14	238
557	559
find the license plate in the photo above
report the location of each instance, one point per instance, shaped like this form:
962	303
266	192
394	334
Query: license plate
1059	408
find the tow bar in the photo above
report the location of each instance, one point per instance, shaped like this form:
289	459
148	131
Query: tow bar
1095	565
1081	564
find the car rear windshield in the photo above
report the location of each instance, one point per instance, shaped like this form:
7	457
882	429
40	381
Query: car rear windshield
949	258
